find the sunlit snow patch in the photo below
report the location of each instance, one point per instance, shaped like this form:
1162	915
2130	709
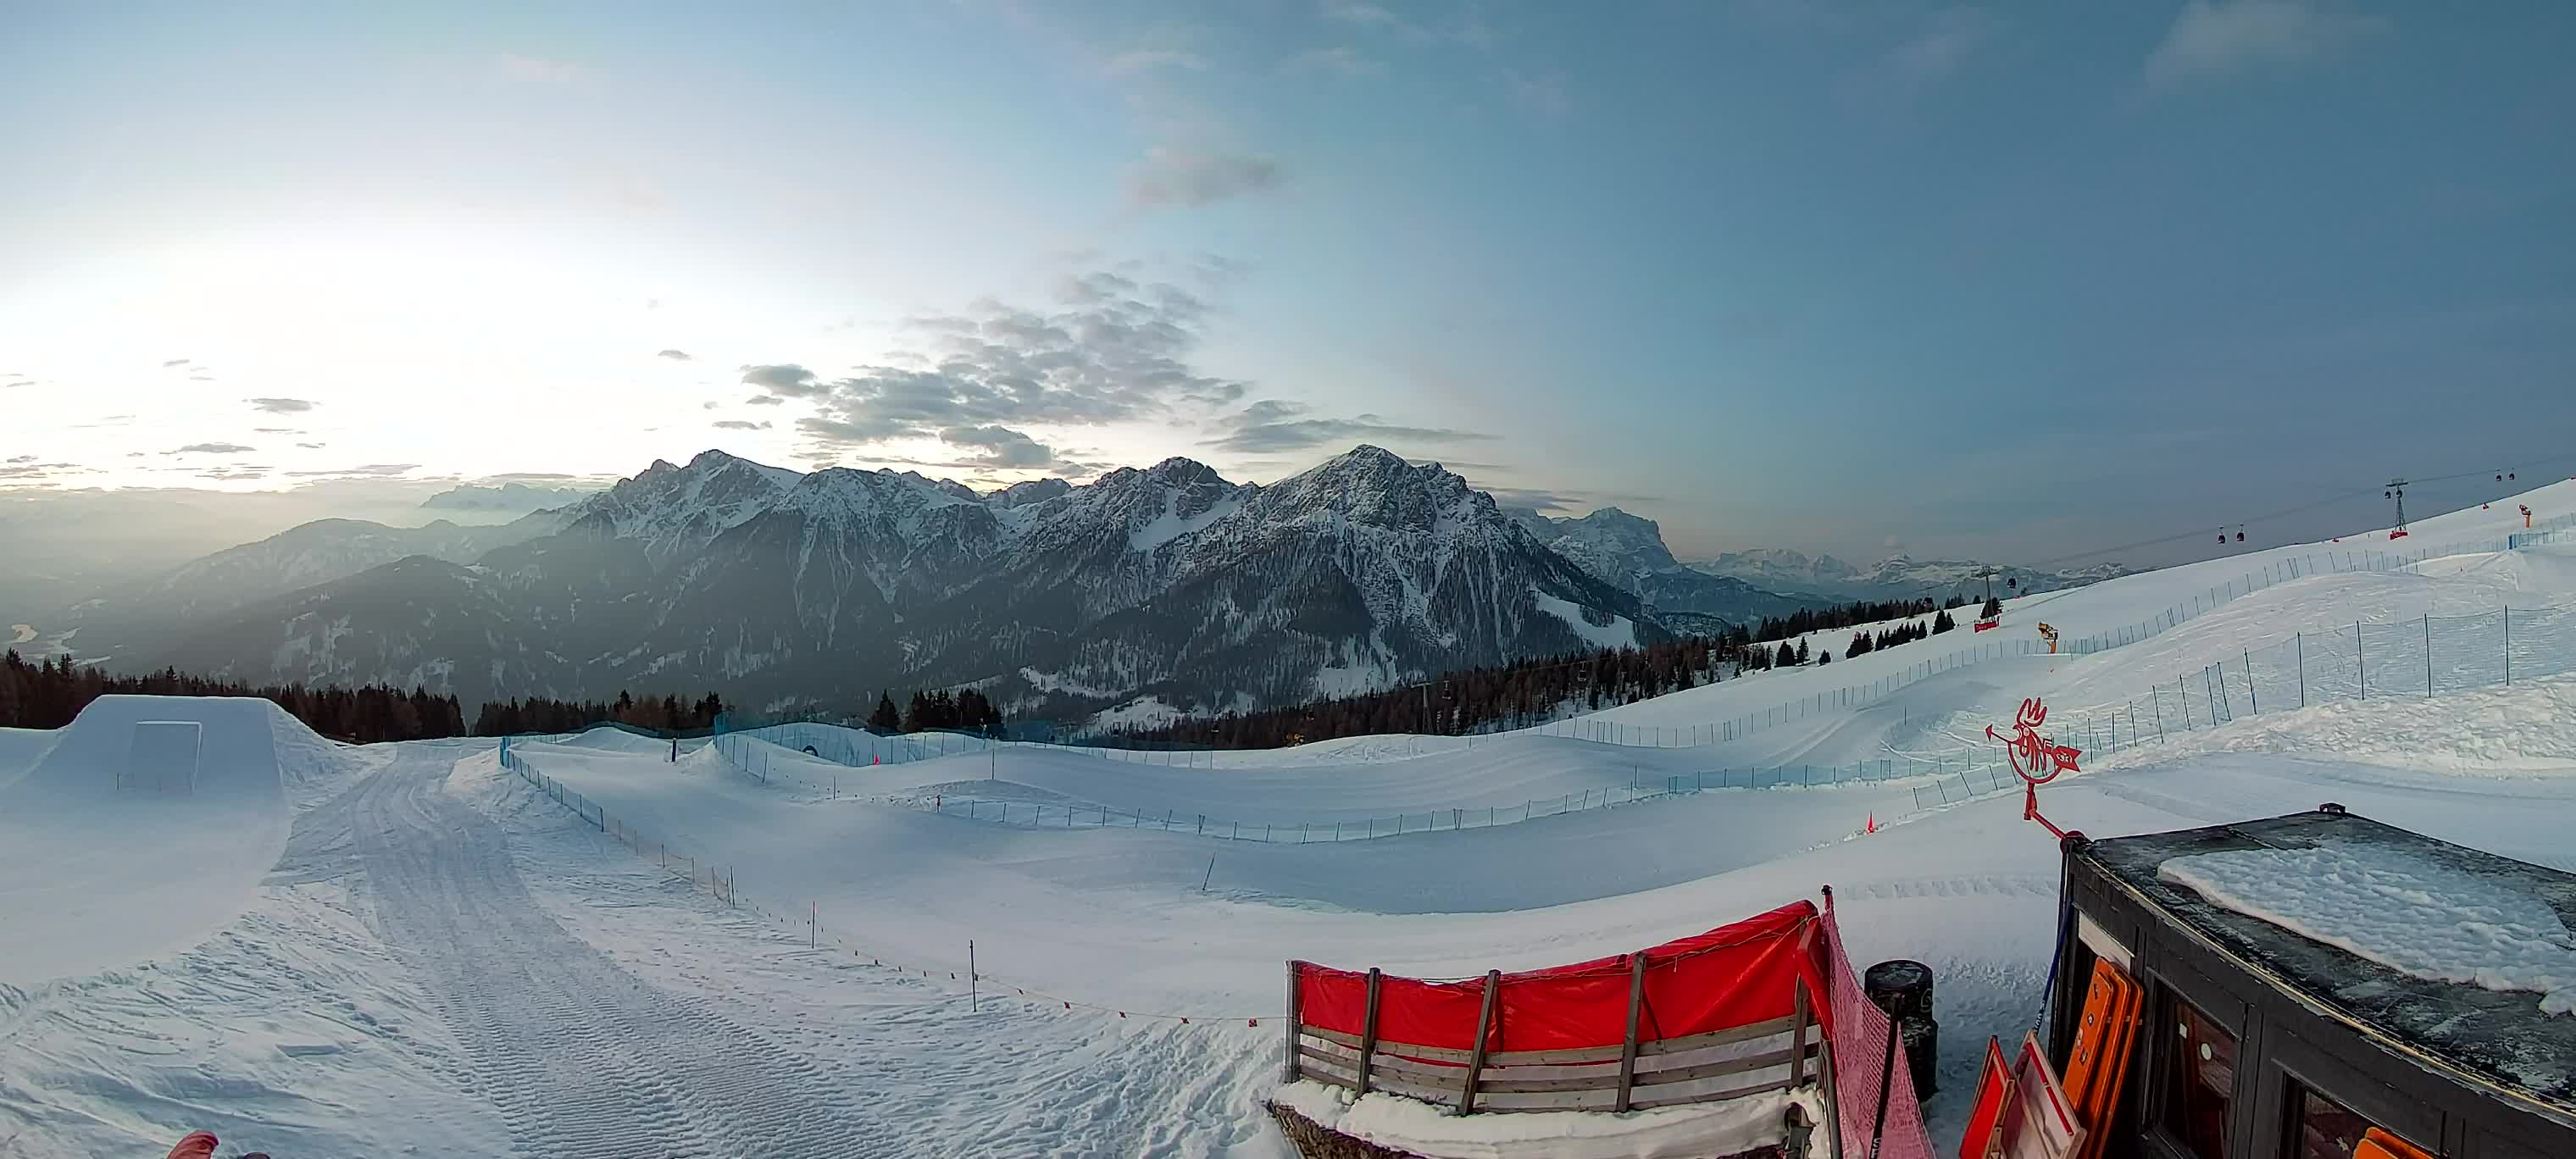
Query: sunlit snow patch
1620	632
2401	911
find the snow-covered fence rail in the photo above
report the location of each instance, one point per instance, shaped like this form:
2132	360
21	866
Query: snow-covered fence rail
1944	778
2273	573
2422	657
718	880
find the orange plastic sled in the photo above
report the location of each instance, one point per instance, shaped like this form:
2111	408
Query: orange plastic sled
2096	1070
2379	1144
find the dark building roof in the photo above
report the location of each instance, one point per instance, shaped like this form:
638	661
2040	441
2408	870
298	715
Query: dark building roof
2498	1035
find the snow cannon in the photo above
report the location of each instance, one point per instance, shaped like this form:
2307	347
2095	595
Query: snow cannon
2238	990
1750	1041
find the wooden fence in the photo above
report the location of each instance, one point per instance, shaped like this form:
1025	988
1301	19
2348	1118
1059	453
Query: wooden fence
1631	1075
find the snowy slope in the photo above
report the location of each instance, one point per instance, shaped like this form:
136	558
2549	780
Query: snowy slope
94	874
478	912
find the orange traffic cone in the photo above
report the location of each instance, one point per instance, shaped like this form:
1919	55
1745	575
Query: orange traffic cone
1873	824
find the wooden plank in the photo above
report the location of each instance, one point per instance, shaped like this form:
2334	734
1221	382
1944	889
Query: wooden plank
1484	1030
1348	1059
1388	1082
1350	1040
1649	1103
1777	1058
1649	1052
1646	1050
1408	1050
1514	1079
1368	1029
1334	1071
1714	1037
1293	1011
1833	1124
1636	1008
1500	1102
1797	1032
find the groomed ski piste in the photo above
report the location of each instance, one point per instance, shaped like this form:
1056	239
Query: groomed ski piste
322	950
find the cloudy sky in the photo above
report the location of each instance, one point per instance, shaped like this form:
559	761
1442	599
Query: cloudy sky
2016	280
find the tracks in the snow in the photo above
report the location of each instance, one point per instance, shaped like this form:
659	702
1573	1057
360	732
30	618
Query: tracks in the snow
580	1056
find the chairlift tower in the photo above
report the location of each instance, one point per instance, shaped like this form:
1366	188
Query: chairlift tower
2397	491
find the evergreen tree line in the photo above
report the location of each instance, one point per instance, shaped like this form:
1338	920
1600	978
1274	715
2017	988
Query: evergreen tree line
542	714
1807	620
965	710
1535	691
1863	643
1512	695
49	693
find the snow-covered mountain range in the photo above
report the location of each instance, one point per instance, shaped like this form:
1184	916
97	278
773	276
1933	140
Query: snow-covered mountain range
1628	551
1896	577
126	620
783	589
508	497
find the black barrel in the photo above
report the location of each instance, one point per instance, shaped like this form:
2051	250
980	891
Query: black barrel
1922	1038
1902	988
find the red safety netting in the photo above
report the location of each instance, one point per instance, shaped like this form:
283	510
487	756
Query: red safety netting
1734	975
1863	1064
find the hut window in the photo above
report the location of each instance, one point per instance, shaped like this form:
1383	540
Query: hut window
2200	1079
2320	1128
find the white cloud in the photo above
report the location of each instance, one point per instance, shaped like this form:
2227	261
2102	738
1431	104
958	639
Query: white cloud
1191	177
1357	12
1954	34
2212	39
1339	59
1147	60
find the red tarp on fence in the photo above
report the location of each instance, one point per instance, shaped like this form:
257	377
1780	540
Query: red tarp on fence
1734	975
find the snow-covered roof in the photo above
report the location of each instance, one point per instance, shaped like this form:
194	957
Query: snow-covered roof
2457	985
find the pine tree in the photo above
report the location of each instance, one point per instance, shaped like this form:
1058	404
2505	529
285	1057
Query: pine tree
1801	653
1943	623
885	719
1994	607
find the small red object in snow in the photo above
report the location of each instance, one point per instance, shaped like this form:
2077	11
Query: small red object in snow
1873	824
1982	625
198	1145
2397	535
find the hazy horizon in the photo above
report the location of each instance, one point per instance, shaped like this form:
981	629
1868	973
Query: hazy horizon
2006	282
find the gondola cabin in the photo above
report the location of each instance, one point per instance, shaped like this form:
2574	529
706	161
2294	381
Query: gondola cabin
2314	986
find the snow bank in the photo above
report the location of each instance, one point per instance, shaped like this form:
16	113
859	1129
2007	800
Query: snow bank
94	875
20	748
1688	1132
2402	911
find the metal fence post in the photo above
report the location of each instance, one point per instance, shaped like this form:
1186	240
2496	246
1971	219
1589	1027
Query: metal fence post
2299	640
2360	663
2250	699
2508	645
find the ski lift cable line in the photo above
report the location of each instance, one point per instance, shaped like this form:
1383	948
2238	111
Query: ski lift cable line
2302	508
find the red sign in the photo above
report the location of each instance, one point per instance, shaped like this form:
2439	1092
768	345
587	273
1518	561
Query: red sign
1982	625
2035	757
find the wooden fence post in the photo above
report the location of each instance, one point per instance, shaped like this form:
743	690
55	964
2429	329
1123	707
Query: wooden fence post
1484	1032
1295	1010
1636	1012
1368	1030
1798	1038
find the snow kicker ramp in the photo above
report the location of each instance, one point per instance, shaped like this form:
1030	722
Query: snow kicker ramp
113	849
